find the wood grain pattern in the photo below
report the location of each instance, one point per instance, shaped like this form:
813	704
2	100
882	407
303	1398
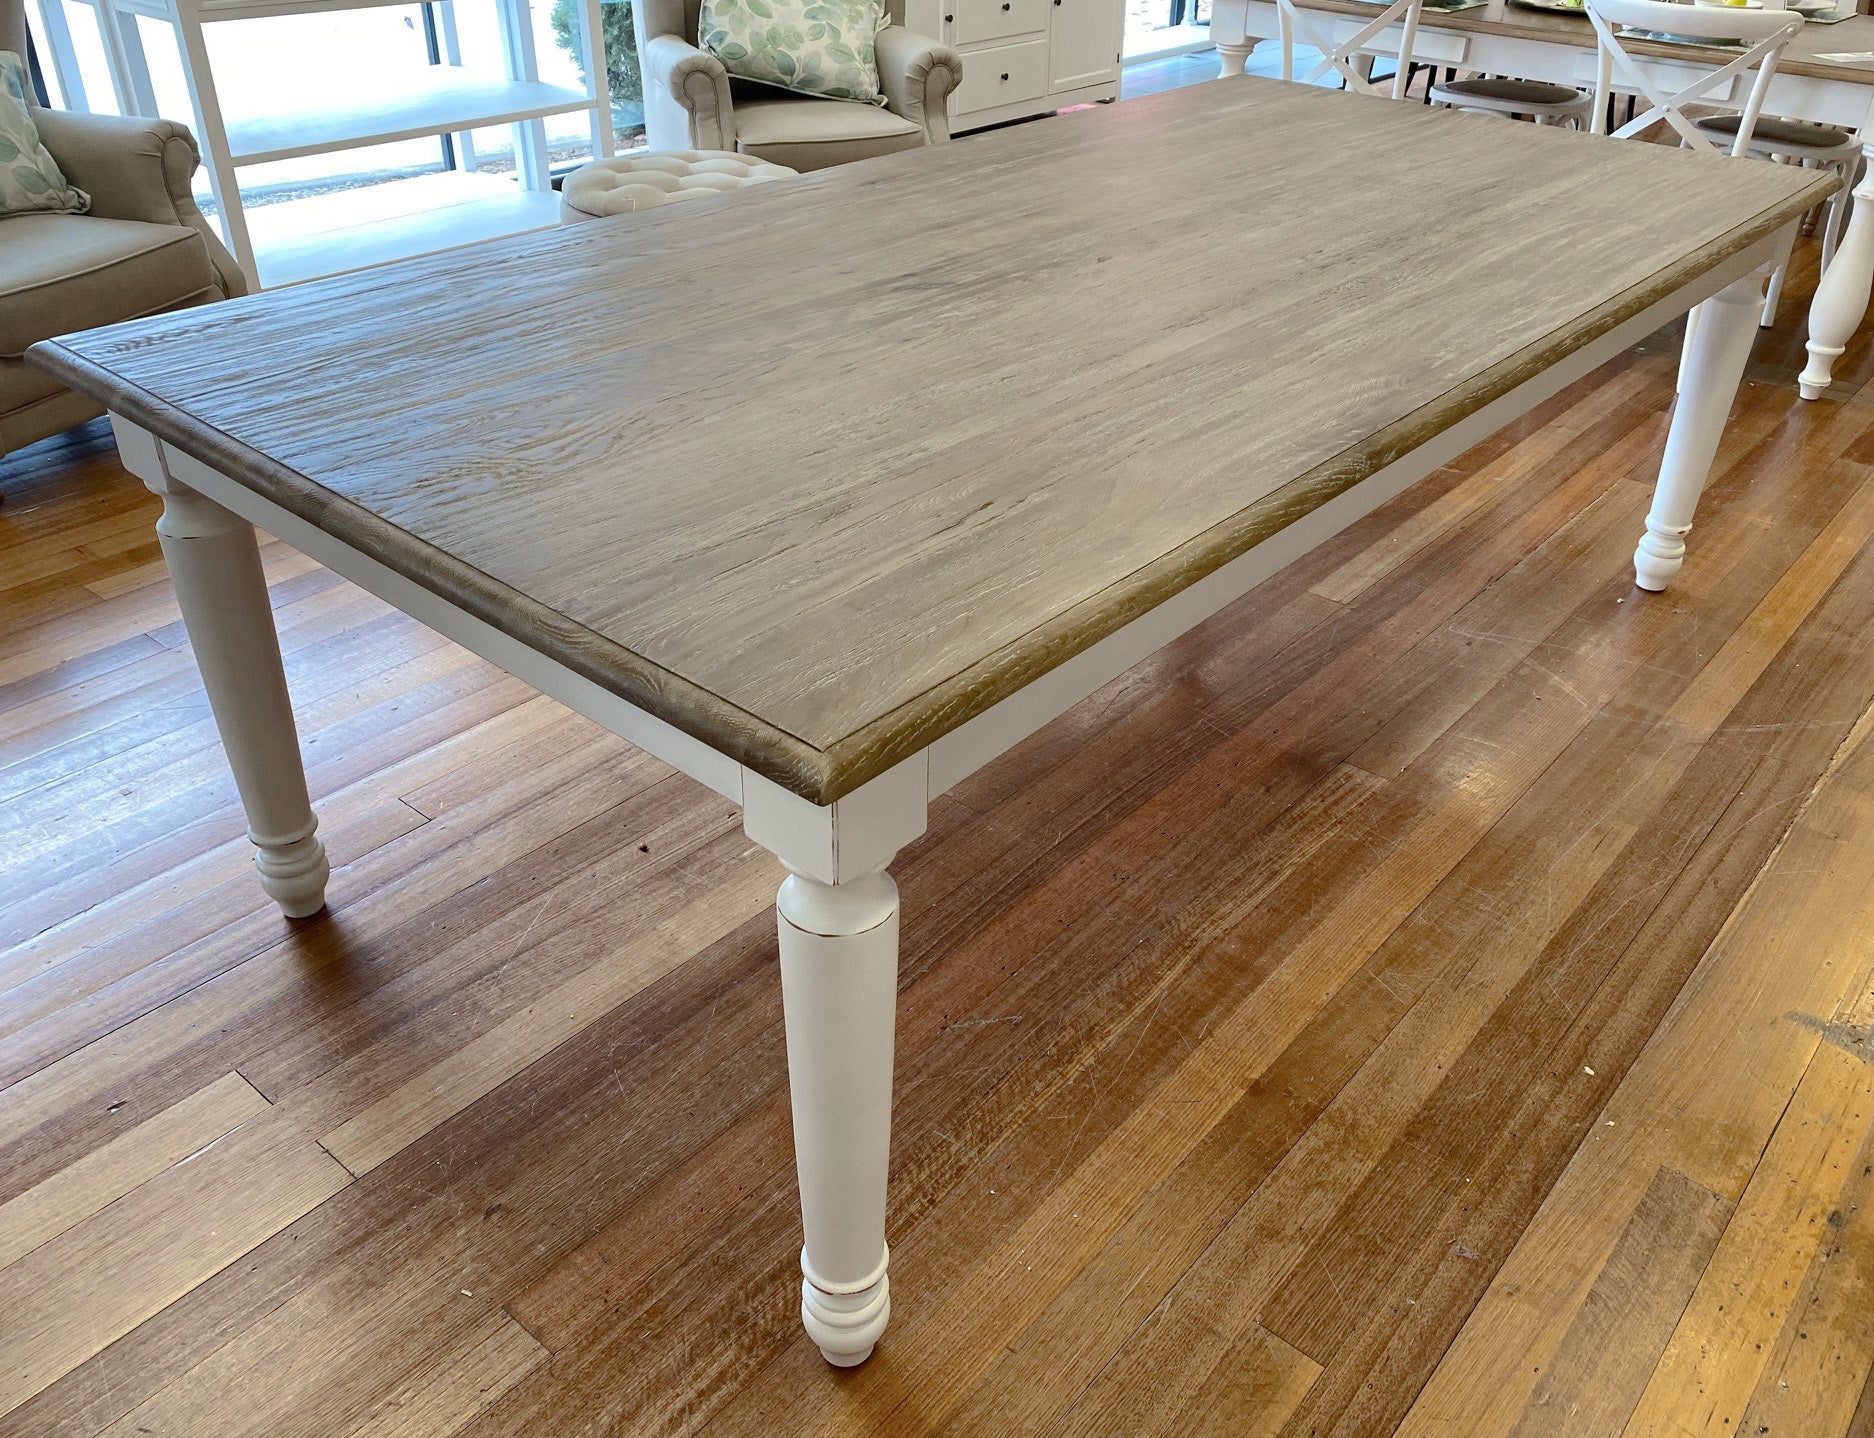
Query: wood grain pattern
105	1175
1687	1103
1810	1383
447	1395
1708	1373
99	1279
1591	1385
710	483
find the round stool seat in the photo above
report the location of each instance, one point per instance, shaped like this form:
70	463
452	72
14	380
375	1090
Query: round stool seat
1510	92
638	182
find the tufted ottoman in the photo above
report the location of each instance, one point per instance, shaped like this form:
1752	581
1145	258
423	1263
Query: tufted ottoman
637	182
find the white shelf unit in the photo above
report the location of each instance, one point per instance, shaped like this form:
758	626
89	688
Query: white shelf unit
443	99
379	223
416	216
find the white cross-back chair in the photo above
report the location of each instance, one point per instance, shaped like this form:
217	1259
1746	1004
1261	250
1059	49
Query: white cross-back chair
1764	33
1347	55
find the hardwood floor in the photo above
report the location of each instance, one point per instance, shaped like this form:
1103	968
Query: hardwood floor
1433	997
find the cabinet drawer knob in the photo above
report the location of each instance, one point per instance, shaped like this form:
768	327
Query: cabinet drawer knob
1005	74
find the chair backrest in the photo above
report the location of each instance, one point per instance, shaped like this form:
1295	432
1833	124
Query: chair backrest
13	26
651	18
1299	22
1764	33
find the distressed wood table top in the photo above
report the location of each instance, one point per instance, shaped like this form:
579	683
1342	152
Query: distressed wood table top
1499	17
818	472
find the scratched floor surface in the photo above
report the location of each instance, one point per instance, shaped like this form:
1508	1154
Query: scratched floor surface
1432	997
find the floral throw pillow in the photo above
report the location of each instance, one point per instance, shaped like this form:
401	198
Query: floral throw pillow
813	47
30	179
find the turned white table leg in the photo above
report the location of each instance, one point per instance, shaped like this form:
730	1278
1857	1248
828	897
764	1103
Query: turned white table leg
1841	296
1229	20
839	988
1723	329
1231	59
214	564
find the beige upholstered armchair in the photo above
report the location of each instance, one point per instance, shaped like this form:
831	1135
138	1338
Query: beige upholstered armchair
690	103
144	247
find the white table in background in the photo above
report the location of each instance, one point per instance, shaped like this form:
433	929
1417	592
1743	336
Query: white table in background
1504	39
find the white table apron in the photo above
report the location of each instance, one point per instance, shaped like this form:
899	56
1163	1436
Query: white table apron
1841	297
838	910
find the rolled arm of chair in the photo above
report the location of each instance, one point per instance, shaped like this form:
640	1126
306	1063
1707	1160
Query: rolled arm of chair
917	75
686	97
135	169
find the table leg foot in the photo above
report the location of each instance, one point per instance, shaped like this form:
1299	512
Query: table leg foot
1822	365
293	874
844	1320
1722	331
839	989
214	564
1841	295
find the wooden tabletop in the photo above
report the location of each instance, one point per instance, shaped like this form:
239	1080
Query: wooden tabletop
820	470
1499	17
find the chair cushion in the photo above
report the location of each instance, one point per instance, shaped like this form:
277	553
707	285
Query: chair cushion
1772	131
811	47
1513	92
639	182
60	273
812	134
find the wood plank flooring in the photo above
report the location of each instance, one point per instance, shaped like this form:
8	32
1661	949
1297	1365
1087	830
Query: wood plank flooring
1432	998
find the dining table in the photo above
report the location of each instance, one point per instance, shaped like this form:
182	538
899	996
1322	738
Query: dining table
830	491
1545	41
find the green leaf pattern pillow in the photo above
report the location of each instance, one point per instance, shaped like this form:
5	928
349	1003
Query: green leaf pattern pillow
813	47
30	179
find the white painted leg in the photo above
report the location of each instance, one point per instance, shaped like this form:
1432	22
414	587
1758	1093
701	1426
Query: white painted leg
1841	296
1725	329
1229	21
1837	213
839	989
1232	58
1773	295
1685	348
214	564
